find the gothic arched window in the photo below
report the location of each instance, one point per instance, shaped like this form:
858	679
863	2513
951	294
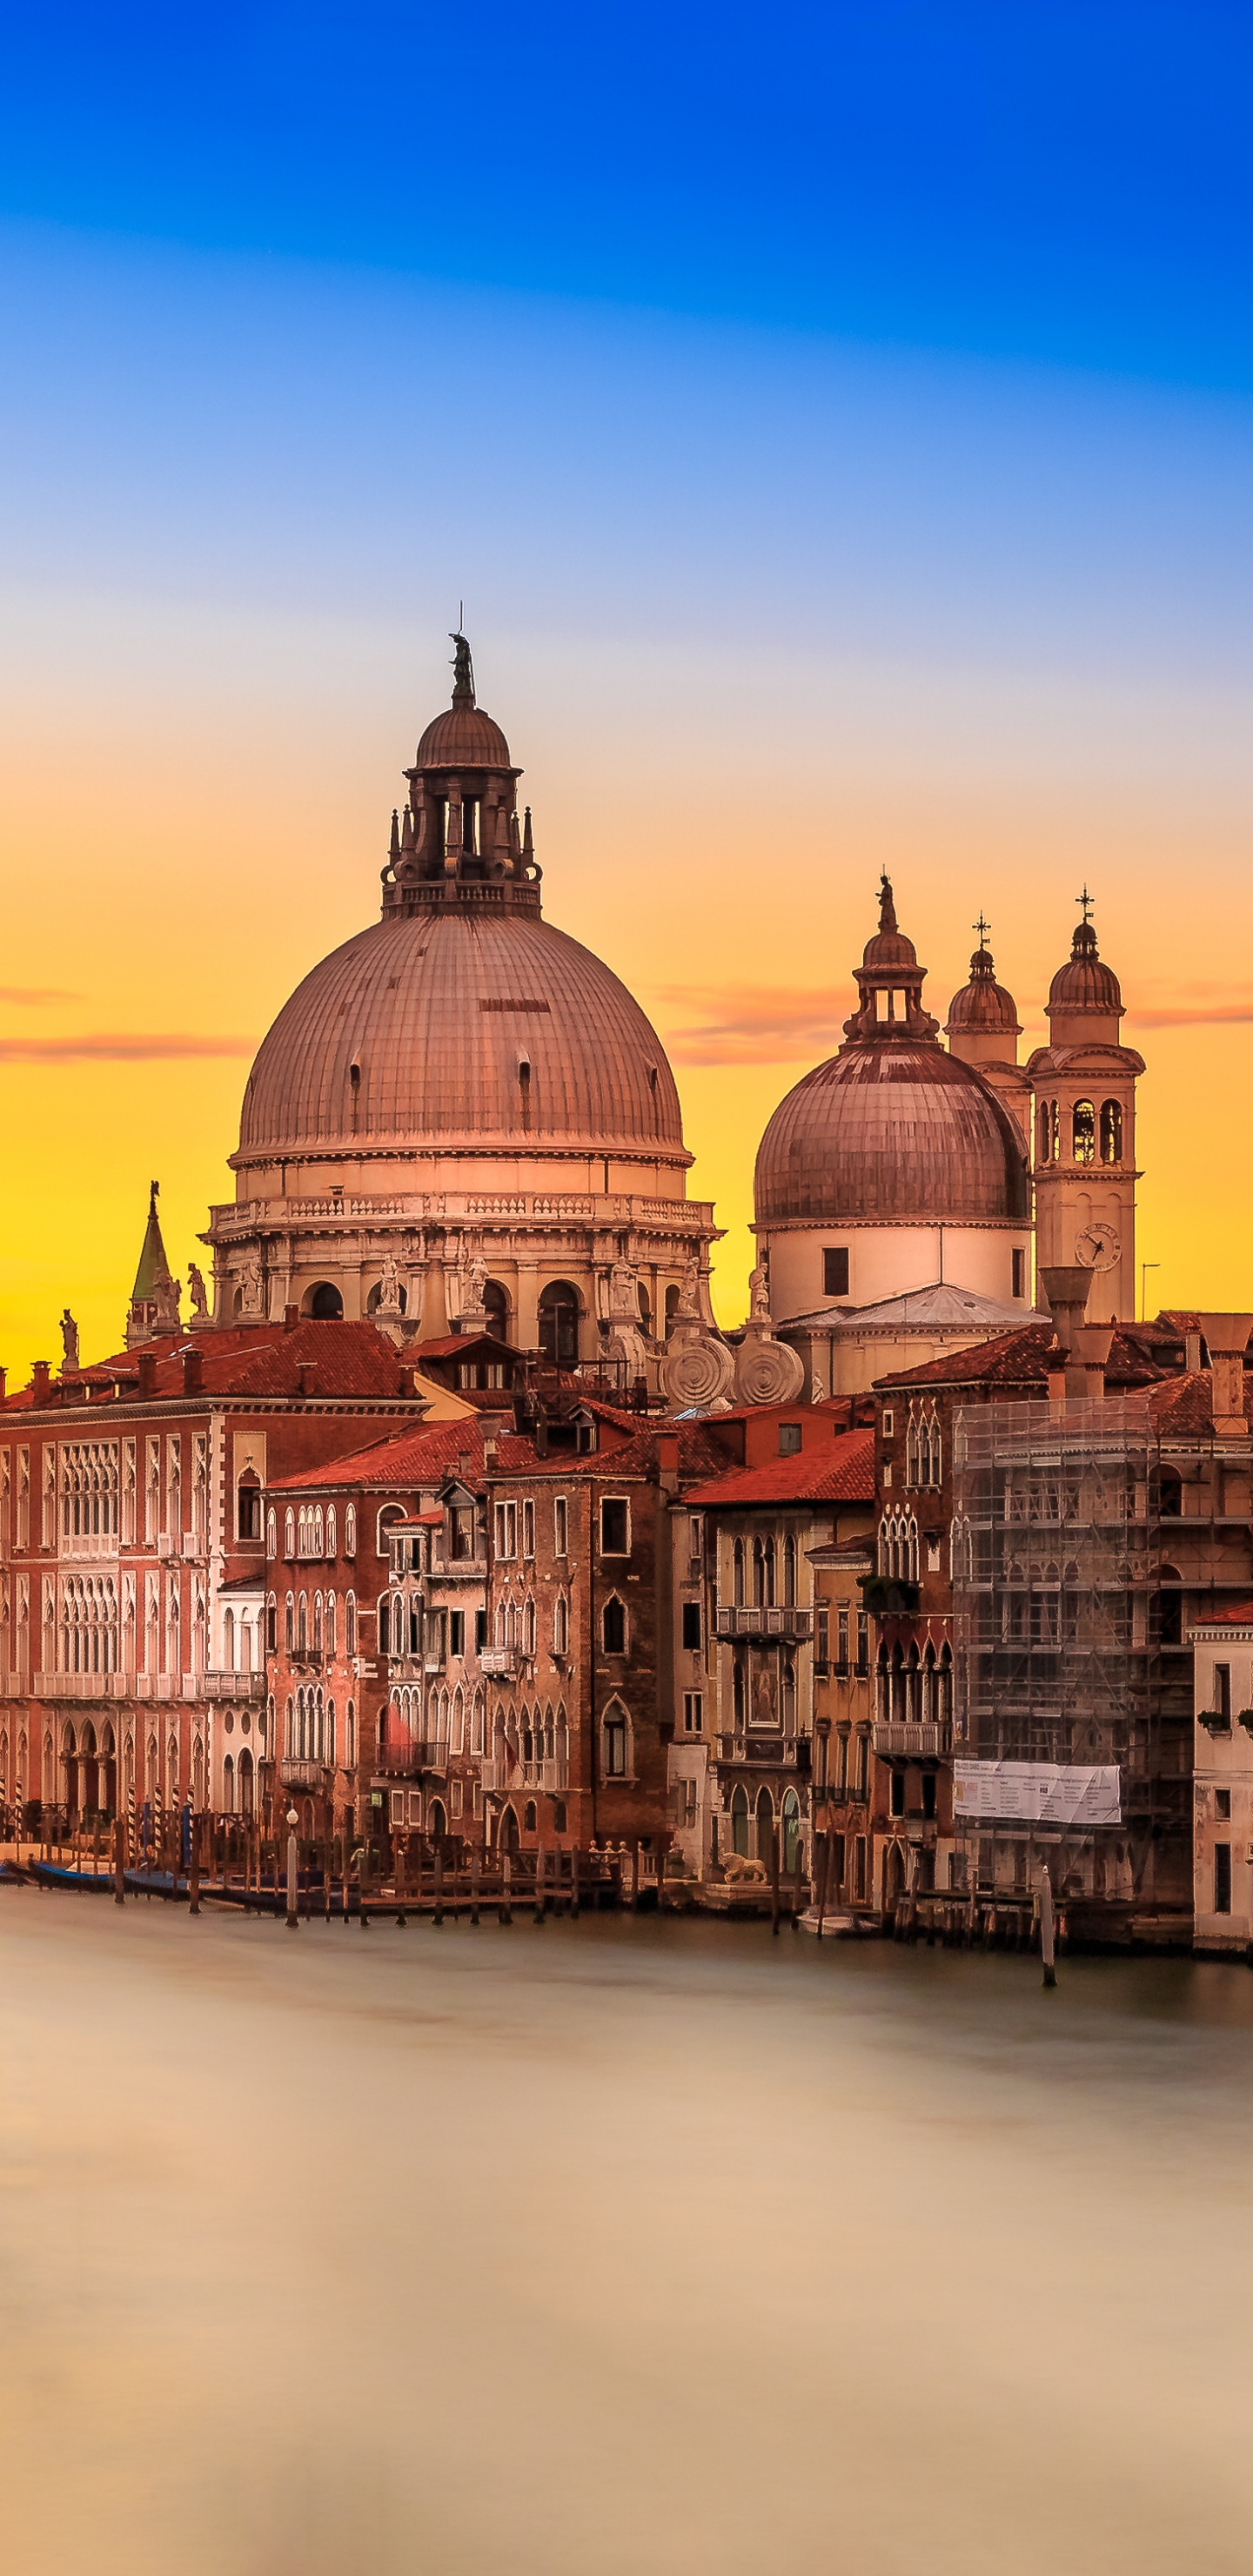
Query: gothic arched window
1111	1131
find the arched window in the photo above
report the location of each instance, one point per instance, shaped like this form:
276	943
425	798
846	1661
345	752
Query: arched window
350	1625
788	1693
317	1623
302	1624
1083	1131
737	1689
790	1853
737	1571
325	1303
289	1534
1111	1131
350	1530
496	1309
228	1641
350	1748
561	1625
228	1786
613	1626
330	1529
319	1532
1169	1609
759	1574
330	1732
789	1572
1171	1500
559	1324
289	1623
739	1820
271	1533
384	1624
248	1504
672	1308
616	1731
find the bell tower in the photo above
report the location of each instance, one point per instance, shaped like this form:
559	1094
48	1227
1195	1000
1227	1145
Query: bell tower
1084	1142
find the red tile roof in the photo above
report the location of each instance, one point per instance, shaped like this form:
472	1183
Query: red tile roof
399	1460
262	1360
844	1473
1139	1355
1234	1614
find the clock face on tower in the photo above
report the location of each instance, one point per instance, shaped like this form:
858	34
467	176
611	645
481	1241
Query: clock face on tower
1098	1247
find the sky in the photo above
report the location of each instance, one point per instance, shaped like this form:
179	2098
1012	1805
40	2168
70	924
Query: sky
838	429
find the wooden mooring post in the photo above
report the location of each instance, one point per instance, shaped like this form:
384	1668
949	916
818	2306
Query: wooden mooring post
193	1865
1047	1929
774	1880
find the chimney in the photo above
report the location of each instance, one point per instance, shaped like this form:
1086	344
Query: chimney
668	1459
1067	1292
1094	1347
193	1373
291	1317
147	1375
1227	1338
307	1374
40	1379
1057	1386
1192	1353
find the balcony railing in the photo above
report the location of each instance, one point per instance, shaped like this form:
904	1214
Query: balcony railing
913	1739
407	1754
297	1774
503	1663
783	1752
761	1619
234	1685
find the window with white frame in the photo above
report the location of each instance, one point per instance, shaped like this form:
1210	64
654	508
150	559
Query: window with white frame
561	1526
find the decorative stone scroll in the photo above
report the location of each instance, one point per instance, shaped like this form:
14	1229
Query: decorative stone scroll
696	1370
767	1372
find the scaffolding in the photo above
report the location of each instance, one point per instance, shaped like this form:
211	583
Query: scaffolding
1073	1550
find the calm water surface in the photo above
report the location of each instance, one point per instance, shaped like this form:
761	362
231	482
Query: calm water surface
620	2245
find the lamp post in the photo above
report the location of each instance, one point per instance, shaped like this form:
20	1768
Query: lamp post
292	1822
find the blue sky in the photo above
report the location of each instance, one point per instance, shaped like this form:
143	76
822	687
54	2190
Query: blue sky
1064	183
838	426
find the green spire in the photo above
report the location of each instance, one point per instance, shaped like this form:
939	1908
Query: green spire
154	1269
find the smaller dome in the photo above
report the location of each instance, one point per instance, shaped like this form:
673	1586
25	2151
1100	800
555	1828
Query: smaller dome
463	737
1085	983
983	1005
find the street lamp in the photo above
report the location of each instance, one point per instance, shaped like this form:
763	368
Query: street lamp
292	1822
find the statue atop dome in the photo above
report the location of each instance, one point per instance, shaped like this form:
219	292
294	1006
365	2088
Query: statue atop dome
462	671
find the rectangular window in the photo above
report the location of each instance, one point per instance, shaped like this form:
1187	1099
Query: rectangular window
614	1531
1222	1805
528	1528
695	1537
823	1621
835	1270
561	1526
693	1713
480	1631
928	1793
897	1798
789	1439
691	1625
456	1632
859	1869
1222	1878
506	1529
863	1762
1222	1692
1019	1266
841	1633
887	1422
863	1641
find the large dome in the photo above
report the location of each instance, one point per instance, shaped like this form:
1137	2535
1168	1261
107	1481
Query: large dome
457	1024
892	1132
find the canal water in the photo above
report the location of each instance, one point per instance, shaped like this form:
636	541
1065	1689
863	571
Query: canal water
615	2246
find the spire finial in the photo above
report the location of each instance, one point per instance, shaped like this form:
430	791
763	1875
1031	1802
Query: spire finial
463	671
1087	905
154	1193
982	927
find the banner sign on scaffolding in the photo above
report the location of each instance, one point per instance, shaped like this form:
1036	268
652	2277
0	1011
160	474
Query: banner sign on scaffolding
1036	1793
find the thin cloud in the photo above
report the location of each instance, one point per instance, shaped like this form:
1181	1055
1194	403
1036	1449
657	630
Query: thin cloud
120	1046
1233	1010
31	994
755	1023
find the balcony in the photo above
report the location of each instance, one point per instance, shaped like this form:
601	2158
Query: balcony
408	1754
781	1752
249	1686
502	1663
762	1619
499	1777
461	1569
295	1774
913	1739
